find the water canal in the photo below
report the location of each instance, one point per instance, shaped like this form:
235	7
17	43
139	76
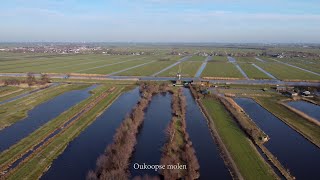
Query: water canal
152	135
310	109
211	164
40	115
296	153
81	154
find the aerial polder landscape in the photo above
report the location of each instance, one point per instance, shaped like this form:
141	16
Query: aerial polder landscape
168	107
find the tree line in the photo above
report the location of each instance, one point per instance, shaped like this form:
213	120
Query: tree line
30	80
178	148
114	163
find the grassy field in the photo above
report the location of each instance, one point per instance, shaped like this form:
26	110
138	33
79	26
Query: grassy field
148	69
253	72
309	64
283	72
17	110
7	92
219	59
246	59
85	63
248	160
35	166
220	69
307	128
197	58
188	69
113	68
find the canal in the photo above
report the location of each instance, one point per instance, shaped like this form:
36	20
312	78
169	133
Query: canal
152	135
81	154
40	115
296	153
211	164
310	109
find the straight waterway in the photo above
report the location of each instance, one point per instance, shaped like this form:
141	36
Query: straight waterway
172	65
152	135
81	154
264	71
310	109
233	61
203	66
296	153
40	115
211	164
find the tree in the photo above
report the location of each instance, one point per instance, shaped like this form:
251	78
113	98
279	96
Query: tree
30	79
45	78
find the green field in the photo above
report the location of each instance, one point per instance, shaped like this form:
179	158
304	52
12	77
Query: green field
219	59
197	58
309	64
106	64
7	92
148	69
16	110
247	159
253	72
246	59
220	69
188	69
282	71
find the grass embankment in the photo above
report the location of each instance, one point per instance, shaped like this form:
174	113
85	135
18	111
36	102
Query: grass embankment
249	162
178	148
254	132
17	110
39	162
114	163
306	128
7	92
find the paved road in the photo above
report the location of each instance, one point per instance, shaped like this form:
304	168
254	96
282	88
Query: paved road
150	78
297	67
203	66
264	71
172	65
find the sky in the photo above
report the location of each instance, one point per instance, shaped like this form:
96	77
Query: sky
220	21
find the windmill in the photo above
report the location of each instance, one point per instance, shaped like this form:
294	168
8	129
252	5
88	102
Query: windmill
179	76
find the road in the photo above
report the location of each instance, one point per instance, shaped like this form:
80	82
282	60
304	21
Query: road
150	78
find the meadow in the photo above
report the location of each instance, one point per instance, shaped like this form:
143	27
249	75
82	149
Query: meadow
284	72
253	72
248	160
188	69
222	70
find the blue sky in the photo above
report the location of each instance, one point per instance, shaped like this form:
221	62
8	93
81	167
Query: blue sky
244	21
